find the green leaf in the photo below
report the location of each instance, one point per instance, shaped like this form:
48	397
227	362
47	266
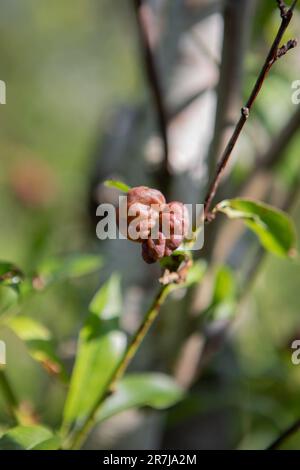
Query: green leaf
8	298
27	438
10	275
27	328
53	443
196	273
60	269
274	228
138	390
224	296
39	342
117	185
225	286
11	279
107	309
101	346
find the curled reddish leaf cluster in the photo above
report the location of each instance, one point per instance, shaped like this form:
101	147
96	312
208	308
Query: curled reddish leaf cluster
159	226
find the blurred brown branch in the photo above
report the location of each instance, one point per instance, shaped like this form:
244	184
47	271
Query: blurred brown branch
273	154
274	54
237	16
285	435
142	12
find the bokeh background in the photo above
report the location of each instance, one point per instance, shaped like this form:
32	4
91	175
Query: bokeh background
80	110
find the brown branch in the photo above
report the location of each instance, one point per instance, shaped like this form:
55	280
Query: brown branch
282	7
270	158
275	53
235	38
155	86
285	435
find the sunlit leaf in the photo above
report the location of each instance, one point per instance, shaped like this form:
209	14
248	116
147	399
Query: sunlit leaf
224	296
53	443
100	304
138	390
101	345
27	438
196	273
274	228
225	285
117	185
60	269
39	342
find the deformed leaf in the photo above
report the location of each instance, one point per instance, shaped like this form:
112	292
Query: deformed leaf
138	390
28	438
274	228
101	345
117	185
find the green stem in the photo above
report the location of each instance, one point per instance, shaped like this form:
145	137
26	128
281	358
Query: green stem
9	396
79	436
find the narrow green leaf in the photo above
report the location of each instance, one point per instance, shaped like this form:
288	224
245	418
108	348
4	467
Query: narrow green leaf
8	298
138	390
117	185
11	279
99	304
39	342
25	438
60	269
27	328
224	296
101	345
53	443
225	286
196	273
274	228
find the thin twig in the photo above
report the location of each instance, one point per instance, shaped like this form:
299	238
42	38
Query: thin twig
274	54
235	38
285	435
282	7
156	89
79	437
